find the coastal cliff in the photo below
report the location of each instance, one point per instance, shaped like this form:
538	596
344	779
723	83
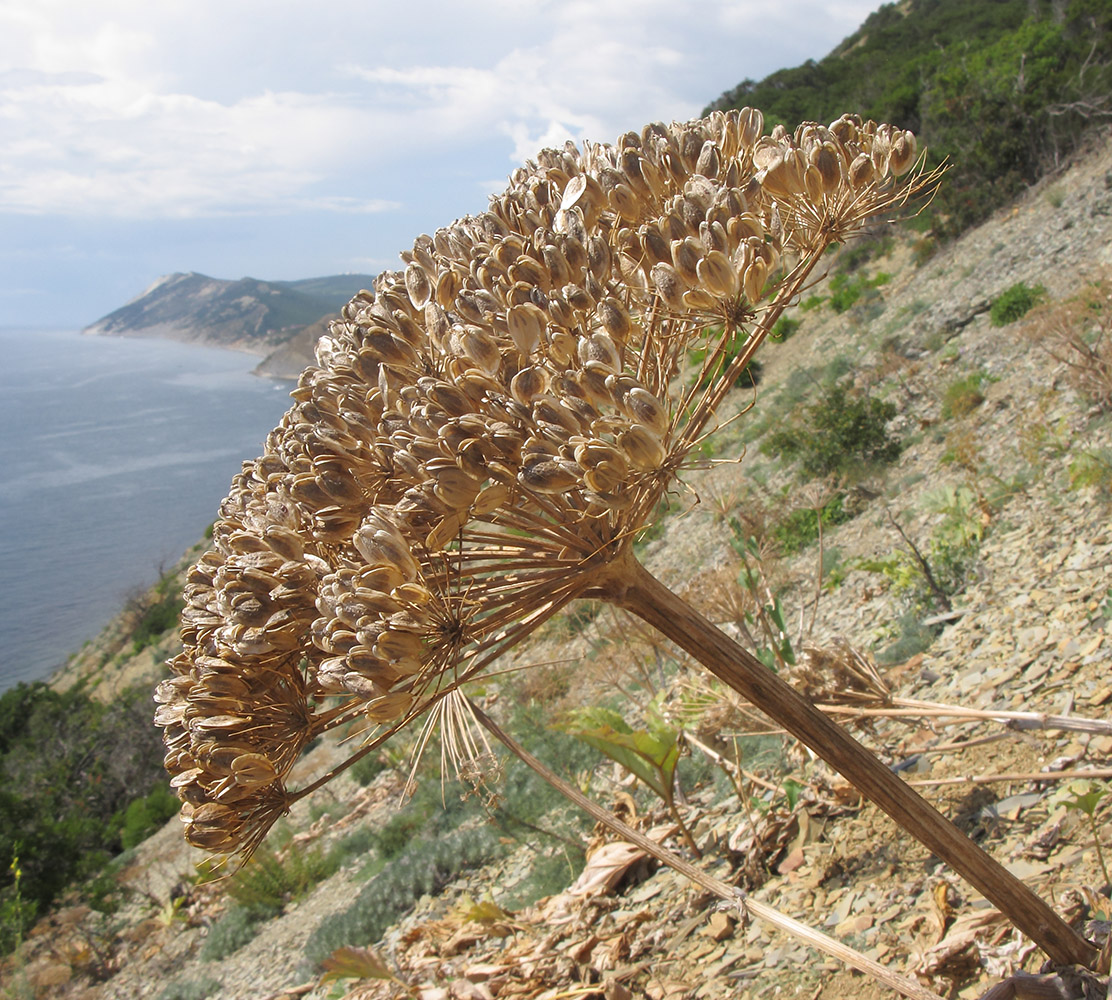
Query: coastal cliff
258	317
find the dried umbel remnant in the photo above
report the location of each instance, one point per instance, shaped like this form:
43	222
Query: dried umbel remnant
486	430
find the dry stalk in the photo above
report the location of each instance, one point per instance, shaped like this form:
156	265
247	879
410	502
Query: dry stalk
904	708
1078	335
483	436
986	779
843	681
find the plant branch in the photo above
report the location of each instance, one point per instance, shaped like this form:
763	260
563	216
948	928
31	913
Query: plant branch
985	779
940	595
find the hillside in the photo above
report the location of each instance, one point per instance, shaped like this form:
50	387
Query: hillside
1002	483
289	359
1004	90
248	314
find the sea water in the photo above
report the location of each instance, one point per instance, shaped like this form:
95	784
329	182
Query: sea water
114	456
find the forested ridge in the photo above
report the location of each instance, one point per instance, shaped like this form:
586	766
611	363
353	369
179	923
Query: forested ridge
1002	89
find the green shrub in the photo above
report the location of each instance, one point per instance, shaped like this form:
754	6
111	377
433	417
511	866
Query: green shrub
846	291
237	927
399	830
963	396
156	620
923	249
62	811
191	989
836	434
1014	303
367	768
784	327
267	883
960	92
262	889
359	843
912	637
951	555
865	250
1092	468
425	866
146	815
552	872
799	528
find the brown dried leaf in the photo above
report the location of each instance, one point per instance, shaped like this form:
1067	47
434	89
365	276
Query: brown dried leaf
606	868
356	963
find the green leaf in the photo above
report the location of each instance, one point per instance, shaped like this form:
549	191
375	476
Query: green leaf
768	658
792	791
652	758
1088	802
776	614
486	911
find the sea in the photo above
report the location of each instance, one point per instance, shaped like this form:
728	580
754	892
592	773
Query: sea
114	456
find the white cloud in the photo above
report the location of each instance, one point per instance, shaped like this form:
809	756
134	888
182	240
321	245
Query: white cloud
104	146
124	108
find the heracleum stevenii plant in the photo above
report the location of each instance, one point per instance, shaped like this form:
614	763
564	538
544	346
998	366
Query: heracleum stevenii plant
482	437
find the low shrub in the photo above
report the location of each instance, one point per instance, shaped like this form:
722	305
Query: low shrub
923	249
1077	333
845	291
237	927
1014	303
146	815
367	768
836	434
799	528
64	812
425	866
191	989
784	327
552	872
912	637
268	882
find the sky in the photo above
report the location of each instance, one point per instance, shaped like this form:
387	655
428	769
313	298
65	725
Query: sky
287	140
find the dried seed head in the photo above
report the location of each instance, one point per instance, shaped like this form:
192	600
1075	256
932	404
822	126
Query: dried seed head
481	426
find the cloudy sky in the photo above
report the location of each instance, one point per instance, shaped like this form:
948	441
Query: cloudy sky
290	139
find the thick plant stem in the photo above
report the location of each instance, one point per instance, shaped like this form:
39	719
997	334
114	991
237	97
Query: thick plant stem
629	585
908	987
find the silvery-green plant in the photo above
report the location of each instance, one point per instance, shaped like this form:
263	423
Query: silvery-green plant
483	436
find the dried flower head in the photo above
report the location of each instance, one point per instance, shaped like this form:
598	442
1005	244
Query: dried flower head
485	431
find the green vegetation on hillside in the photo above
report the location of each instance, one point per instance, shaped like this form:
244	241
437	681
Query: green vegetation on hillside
79	780
1003	88
437	835
838	433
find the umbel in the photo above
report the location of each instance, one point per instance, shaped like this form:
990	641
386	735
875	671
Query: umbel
483	436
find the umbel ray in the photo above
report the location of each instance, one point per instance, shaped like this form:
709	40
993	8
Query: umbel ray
482	437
